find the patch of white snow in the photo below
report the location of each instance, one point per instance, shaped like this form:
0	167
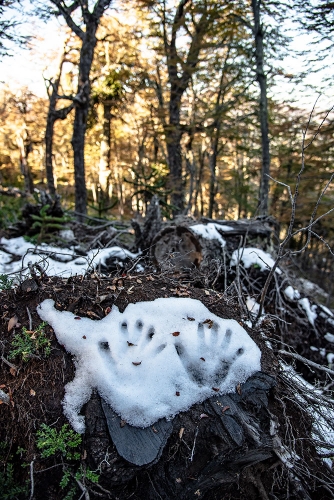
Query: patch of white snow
209	232
291	293
329	337
310	311
153	360
254	256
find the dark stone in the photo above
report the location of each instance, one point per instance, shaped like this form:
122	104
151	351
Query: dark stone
136	445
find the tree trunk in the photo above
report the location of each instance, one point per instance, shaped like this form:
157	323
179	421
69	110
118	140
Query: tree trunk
25	148
52	117
212	166
104	167
263	112
87	35
173	136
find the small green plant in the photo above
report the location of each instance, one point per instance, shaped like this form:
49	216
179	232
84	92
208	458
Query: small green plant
10	209
9	489
45	223
30	343
67	443
6	283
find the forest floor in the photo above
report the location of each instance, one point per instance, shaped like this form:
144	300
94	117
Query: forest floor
285	463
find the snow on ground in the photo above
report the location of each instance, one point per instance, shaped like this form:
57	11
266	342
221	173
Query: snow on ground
253	256
292	293
153	360
310	310
252	306
321	415
49	256
329	337
209	231
326	310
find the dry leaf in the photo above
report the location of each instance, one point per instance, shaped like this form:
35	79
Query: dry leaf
13	371
216	389
12	323
203	359
207	292
32	392
139	281
129	290
225	408
77	317
208	322
154	430
122	423
176	334
2	386
92	314
181	432
107	310
84	455
130	344
177	393
190	319
238	389
136	363
84	337
203	415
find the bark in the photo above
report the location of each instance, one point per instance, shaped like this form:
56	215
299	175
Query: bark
263	112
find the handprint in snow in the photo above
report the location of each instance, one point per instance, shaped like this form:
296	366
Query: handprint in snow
153	360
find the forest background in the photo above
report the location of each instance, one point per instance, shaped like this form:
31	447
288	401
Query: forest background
205	103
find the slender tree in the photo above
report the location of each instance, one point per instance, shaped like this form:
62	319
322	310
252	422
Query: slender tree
193	20
53	115
90	20
261	77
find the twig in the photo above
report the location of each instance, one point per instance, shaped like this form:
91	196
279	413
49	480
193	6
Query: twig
307	361
30	318
194	444
32	486
9	364
83	489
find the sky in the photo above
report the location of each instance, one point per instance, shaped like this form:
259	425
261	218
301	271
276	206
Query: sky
27	66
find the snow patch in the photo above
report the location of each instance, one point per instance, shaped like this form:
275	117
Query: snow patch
49	256
326	310
291	293
329	337
310	310
153	360
254	256
209	232
253	306
330	358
